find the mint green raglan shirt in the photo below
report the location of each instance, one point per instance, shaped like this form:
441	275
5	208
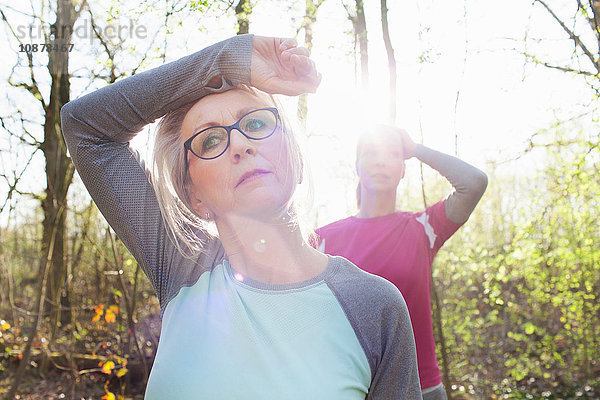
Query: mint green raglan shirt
264	341
344	334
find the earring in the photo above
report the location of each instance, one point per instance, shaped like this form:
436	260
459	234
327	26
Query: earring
208	216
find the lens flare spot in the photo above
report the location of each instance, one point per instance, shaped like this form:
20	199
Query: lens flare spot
260	246
238	276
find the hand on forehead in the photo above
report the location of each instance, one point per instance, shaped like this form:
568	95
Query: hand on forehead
380	135
396	139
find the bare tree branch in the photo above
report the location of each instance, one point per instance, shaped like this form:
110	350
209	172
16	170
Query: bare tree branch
581	8
33	87
110	53
35	143
12	186
145	57
112	50
22	140
572	35
592	20
18	11
533	58
531	143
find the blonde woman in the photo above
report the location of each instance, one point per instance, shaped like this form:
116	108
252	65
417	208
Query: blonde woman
254	312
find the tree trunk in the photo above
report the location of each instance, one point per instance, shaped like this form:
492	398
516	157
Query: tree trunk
360	29
391	60
59	169
243	9
310	17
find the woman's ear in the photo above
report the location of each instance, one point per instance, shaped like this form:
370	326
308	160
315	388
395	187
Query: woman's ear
202	211
195	203
199	208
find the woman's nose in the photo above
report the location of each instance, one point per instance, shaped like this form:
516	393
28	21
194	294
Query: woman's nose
380	160
240	146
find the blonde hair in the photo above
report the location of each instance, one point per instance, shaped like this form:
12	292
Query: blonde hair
169	177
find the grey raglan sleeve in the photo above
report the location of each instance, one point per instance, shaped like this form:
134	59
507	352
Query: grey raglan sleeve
98	127
377	312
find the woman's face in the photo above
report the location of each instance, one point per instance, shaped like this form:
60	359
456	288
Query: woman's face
380	163
252	177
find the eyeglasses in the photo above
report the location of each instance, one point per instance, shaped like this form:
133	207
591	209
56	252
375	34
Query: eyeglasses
211	142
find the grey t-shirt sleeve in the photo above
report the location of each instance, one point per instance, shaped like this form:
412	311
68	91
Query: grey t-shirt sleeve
377	312
98	127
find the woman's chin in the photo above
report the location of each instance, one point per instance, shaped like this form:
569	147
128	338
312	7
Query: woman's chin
261	206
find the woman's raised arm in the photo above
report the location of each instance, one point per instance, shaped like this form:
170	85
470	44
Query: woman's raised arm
98	127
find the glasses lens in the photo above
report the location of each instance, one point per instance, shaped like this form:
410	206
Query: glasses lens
259	124
210	143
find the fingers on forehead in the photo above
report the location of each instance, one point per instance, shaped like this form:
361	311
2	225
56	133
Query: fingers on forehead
302	51
287	43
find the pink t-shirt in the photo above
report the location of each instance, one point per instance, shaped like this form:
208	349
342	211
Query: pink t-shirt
399	247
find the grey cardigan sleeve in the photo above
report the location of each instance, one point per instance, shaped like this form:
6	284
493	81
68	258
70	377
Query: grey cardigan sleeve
378	313
98	127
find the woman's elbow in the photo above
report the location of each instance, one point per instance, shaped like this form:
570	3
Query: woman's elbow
479	182
68	124
66	114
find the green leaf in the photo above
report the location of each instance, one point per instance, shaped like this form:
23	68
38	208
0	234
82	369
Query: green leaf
529	328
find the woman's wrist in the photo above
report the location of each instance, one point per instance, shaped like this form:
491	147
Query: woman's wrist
417	151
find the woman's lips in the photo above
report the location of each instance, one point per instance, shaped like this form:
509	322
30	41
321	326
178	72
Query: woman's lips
251	176
379	176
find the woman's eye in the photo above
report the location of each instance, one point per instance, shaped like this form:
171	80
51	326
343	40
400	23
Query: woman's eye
210	142
254	124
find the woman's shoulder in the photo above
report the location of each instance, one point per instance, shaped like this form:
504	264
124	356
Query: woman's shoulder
340	224
378	314
368	291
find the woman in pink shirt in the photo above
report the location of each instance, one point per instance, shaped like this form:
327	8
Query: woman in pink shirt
400	246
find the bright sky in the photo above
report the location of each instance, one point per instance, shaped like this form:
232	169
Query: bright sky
502	101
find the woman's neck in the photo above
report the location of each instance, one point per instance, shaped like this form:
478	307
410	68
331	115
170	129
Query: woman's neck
270	252
376	204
